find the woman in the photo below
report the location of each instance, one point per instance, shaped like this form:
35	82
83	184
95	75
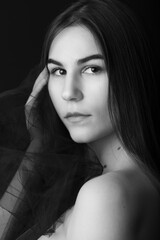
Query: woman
89	171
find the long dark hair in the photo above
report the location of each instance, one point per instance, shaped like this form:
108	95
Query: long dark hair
128	64
125	48
63	165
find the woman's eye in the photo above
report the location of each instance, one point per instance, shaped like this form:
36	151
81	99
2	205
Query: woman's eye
92	70
57	71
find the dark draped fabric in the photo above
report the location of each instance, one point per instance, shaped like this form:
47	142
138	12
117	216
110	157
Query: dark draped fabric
66	168
12	148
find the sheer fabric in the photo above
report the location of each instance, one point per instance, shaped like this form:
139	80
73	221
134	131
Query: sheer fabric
12	124
66	168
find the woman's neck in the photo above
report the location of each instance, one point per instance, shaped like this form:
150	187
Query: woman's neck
111	153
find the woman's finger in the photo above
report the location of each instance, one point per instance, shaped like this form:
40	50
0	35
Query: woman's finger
40	82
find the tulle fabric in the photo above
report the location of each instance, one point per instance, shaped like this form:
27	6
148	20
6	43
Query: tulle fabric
26	179
14	141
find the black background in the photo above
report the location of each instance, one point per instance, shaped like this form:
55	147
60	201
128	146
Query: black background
23	29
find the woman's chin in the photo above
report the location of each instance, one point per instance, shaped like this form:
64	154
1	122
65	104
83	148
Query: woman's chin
92	136
84	136
81	138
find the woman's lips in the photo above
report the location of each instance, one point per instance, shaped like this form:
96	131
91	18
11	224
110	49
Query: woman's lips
76	117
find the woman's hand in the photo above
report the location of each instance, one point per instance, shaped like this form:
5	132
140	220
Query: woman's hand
30	106
38	85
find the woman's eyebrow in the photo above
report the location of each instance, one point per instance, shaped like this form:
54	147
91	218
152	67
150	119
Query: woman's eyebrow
52	61
80	61
88	58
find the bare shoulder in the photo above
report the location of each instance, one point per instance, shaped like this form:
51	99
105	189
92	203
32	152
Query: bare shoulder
130	185
107	187
104	209
117	205
116	177
117	187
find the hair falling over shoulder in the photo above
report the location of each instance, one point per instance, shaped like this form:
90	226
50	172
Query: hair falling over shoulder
53	174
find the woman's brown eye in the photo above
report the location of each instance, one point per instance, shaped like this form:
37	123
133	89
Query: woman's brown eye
61	71
92	70
58	71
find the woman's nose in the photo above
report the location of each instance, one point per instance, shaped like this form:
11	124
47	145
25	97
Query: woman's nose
71	90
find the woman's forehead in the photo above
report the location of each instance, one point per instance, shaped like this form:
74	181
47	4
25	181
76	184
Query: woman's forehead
75	41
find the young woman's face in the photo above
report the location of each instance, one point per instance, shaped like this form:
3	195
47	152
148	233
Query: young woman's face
78	84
